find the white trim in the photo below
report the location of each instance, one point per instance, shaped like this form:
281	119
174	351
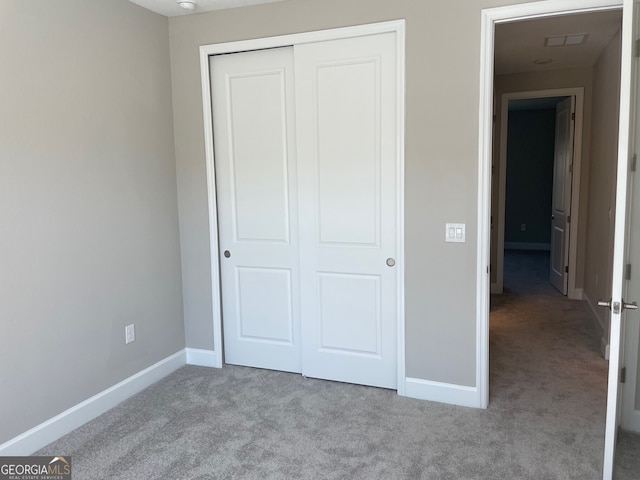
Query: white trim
212	206
485	122
542	247
72	418
401	82
599	324
604	348
394	26
596	314
442	392
489	18
202	358
578	94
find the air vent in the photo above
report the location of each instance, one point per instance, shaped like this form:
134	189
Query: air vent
566	40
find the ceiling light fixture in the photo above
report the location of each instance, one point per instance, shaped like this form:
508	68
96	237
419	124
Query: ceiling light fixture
187	4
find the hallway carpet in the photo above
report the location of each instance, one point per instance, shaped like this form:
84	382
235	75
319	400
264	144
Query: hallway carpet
545	419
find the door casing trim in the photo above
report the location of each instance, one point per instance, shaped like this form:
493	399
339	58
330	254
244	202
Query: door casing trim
489	18
577	92
394	26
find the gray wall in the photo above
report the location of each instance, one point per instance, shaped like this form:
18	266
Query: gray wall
441	162
88	211
604	151
529	181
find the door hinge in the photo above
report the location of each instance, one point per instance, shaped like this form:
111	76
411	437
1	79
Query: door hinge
494	117
573	115
637	47
633	162
627	271
623	374
566	269
571	168
568	218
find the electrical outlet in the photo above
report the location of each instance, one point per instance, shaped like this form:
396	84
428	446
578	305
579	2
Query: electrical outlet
129	333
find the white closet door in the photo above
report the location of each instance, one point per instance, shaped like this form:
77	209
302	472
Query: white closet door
254	145
347	173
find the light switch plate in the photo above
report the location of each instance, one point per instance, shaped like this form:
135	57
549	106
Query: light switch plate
455	232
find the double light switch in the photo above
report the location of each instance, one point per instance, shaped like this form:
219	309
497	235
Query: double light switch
455	232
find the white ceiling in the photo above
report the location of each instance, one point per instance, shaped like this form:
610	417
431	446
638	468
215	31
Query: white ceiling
518	44
170	8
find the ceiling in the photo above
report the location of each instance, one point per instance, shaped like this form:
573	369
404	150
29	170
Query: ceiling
170	8
518	44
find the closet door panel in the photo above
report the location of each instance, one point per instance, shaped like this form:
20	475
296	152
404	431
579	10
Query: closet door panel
347	171
254	148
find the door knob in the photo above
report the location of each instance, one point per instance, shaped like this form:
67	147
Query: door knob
391	262
616	307
227	254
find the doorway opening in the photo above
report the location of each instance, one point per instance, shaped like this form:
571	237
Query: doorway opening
532	66
537	185
536	332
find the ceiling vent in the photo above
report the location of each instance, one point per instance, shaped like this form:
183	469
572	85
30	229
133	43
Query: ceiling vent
566	40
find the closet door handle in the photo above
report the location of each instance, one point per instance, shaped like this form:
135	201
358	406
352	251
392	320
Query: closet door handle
227	254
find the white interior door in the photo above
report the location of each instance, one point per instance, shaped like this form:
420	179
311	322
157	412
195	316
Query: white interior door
347	161
625	213
254	142
561	196
630	388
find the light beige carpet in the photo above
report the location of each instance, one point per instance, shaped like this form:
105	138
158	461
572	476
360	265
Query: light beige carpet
545	419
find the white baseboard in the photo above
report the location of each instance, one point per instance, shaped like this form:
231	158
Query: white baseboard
575	294
604	342
54	428
527	246
442	392
202	358
604	348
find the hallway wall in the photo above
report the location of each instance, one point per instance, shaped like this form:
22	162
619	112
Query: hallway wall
602	188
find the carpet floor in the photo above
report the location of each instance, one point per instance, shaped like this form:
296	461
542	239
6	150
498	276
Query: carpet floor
545	419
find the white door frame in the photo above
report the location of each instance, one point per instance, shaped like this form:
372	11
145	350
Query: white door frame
395	26
491	17
578	93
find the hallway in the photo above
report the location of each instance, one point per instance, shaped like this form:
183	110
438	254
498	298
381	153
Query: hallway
544	358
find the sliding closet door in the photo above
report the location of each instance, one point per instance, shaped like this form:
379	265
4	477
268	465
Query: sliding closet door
255	164
347	172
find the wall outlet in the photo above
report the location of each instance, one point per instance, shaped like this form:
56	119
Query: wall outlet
129	333
523	226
